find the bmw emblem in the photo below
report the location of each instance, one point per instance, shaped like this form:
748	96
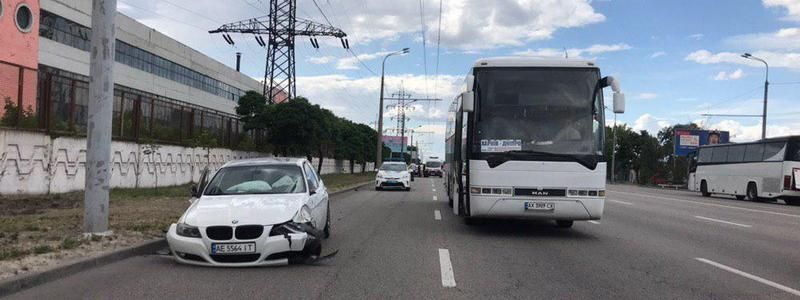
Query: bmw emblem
234	222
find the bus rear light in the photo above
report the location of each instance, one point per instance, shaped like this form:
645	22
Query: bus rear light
572	192
601	193
506	191
486	190
787	182
478	190
475	190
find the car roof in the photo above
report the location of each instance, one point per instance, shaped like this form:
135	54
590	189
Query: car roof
394	163
263	161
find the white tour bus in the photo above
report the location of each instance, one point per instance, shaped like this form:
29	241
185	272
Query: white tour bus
763	170
525	140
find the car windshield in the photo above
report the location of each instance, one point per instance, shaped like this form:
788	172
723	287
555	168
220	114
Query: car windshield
433	164
539	109
393	167
266	179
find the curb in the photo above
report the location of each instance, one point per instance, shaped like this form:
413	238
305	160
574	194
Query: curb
350	188
16	284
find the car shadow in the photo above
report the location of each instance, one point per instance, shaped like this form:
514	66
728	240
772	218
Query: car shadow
526	228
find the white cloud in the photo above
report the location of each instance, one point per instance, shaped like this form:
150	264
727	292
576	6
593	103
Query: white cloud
776	59
321	60
647	96
575	52
650	123
657	54
745	133
696	36
466	24
351	63
792	8
738	74
357	98
783	39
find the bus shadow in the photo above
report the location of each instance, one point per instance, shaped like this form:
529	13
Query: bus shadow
527	228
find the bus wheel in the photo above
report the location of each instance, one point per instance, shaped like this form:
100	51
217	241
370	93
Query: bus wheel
564	223
752	192
739	197
704	189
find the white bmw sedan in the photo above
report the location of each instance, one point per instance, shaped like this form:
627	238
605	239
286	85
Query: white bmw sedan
393	175
253	213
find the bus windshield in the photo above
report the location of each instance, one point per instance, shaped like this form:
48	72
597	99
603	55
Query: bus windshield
433	164
539	110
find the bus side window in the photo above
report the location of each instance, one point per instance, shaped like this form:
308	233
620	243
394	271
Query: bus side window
753	152
704	156
774	151
719	154
736	153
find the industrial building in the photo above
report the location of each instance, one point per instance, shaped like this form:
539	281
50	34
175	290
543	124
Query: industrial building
164	91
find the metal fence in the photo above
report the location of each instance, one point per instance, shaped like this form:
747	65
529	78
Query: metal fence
61	108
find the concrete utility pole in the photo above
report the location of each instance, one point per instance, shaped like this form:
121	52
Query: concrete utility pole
766	90
379	154
98	129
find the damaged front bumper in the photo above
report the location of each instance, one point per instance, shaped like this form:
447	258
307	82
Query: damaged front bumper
280	244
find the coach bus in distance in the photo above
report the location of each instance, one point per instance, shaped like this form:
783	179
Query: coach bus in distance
525	140
765	170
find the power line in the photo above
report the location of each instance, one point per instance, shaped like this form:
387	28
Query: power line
323	14
782	83
424	46
192	12
164	16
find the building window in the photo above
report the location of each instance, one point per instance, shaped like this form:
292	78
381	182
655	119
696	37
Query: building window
24	18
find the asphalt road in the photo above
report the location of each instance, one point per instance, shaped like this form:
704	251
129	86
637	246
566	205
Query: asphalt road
650	244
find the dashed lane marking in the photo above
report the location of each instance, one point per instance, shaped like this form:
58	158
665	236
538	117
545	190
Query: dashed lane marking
448	279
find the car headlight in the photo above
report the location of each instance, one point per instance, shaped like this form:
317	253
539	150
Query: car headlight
302	216
186	230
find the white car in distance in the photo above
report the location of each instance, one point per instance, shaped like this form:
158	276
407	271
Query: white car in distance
253	213
393	175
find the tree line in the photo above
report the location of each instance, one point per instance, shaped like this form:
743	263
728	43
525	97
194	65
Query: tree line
299	128
644	158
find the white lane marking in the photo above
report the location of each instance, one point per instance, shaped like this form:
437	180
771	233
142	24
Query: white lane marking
750	276
594	222
434	198
722	221
437	215
448	279
711	204
620	202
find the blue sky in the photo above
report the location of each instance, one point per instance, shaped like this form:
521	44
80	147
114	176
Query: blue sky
675	59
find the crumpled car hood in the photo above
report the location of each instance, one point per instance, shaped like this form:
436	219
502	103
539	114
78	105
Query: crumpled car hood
393	174
244	209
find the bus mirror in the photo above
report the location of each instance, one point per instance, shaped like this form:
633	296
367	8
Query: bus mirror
467	101
470	82
619	103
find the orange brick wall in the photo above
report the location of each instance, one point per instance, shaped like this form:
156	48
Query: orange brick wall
19	52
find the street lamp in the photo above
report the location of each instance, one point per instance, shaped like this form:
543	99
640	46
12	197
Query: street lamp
766	89
379	154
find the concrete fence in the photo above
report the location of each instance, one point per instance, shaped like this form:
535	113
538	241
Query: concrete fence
36	163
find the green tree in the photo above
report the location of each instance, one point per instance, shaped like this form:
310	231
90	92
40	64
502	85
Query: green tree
251	105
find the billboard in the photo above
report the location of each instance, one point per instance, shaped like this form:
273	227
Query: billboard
394	142
688	140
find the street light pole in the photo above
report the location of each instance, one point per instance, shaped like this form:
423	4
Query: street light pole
614	151
766	91
379	154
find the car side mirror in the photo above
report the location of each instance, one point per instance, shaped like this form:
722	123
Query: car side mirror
468	101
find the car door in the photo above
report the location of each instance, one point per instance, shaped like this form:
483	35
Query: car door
323	195
314	198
